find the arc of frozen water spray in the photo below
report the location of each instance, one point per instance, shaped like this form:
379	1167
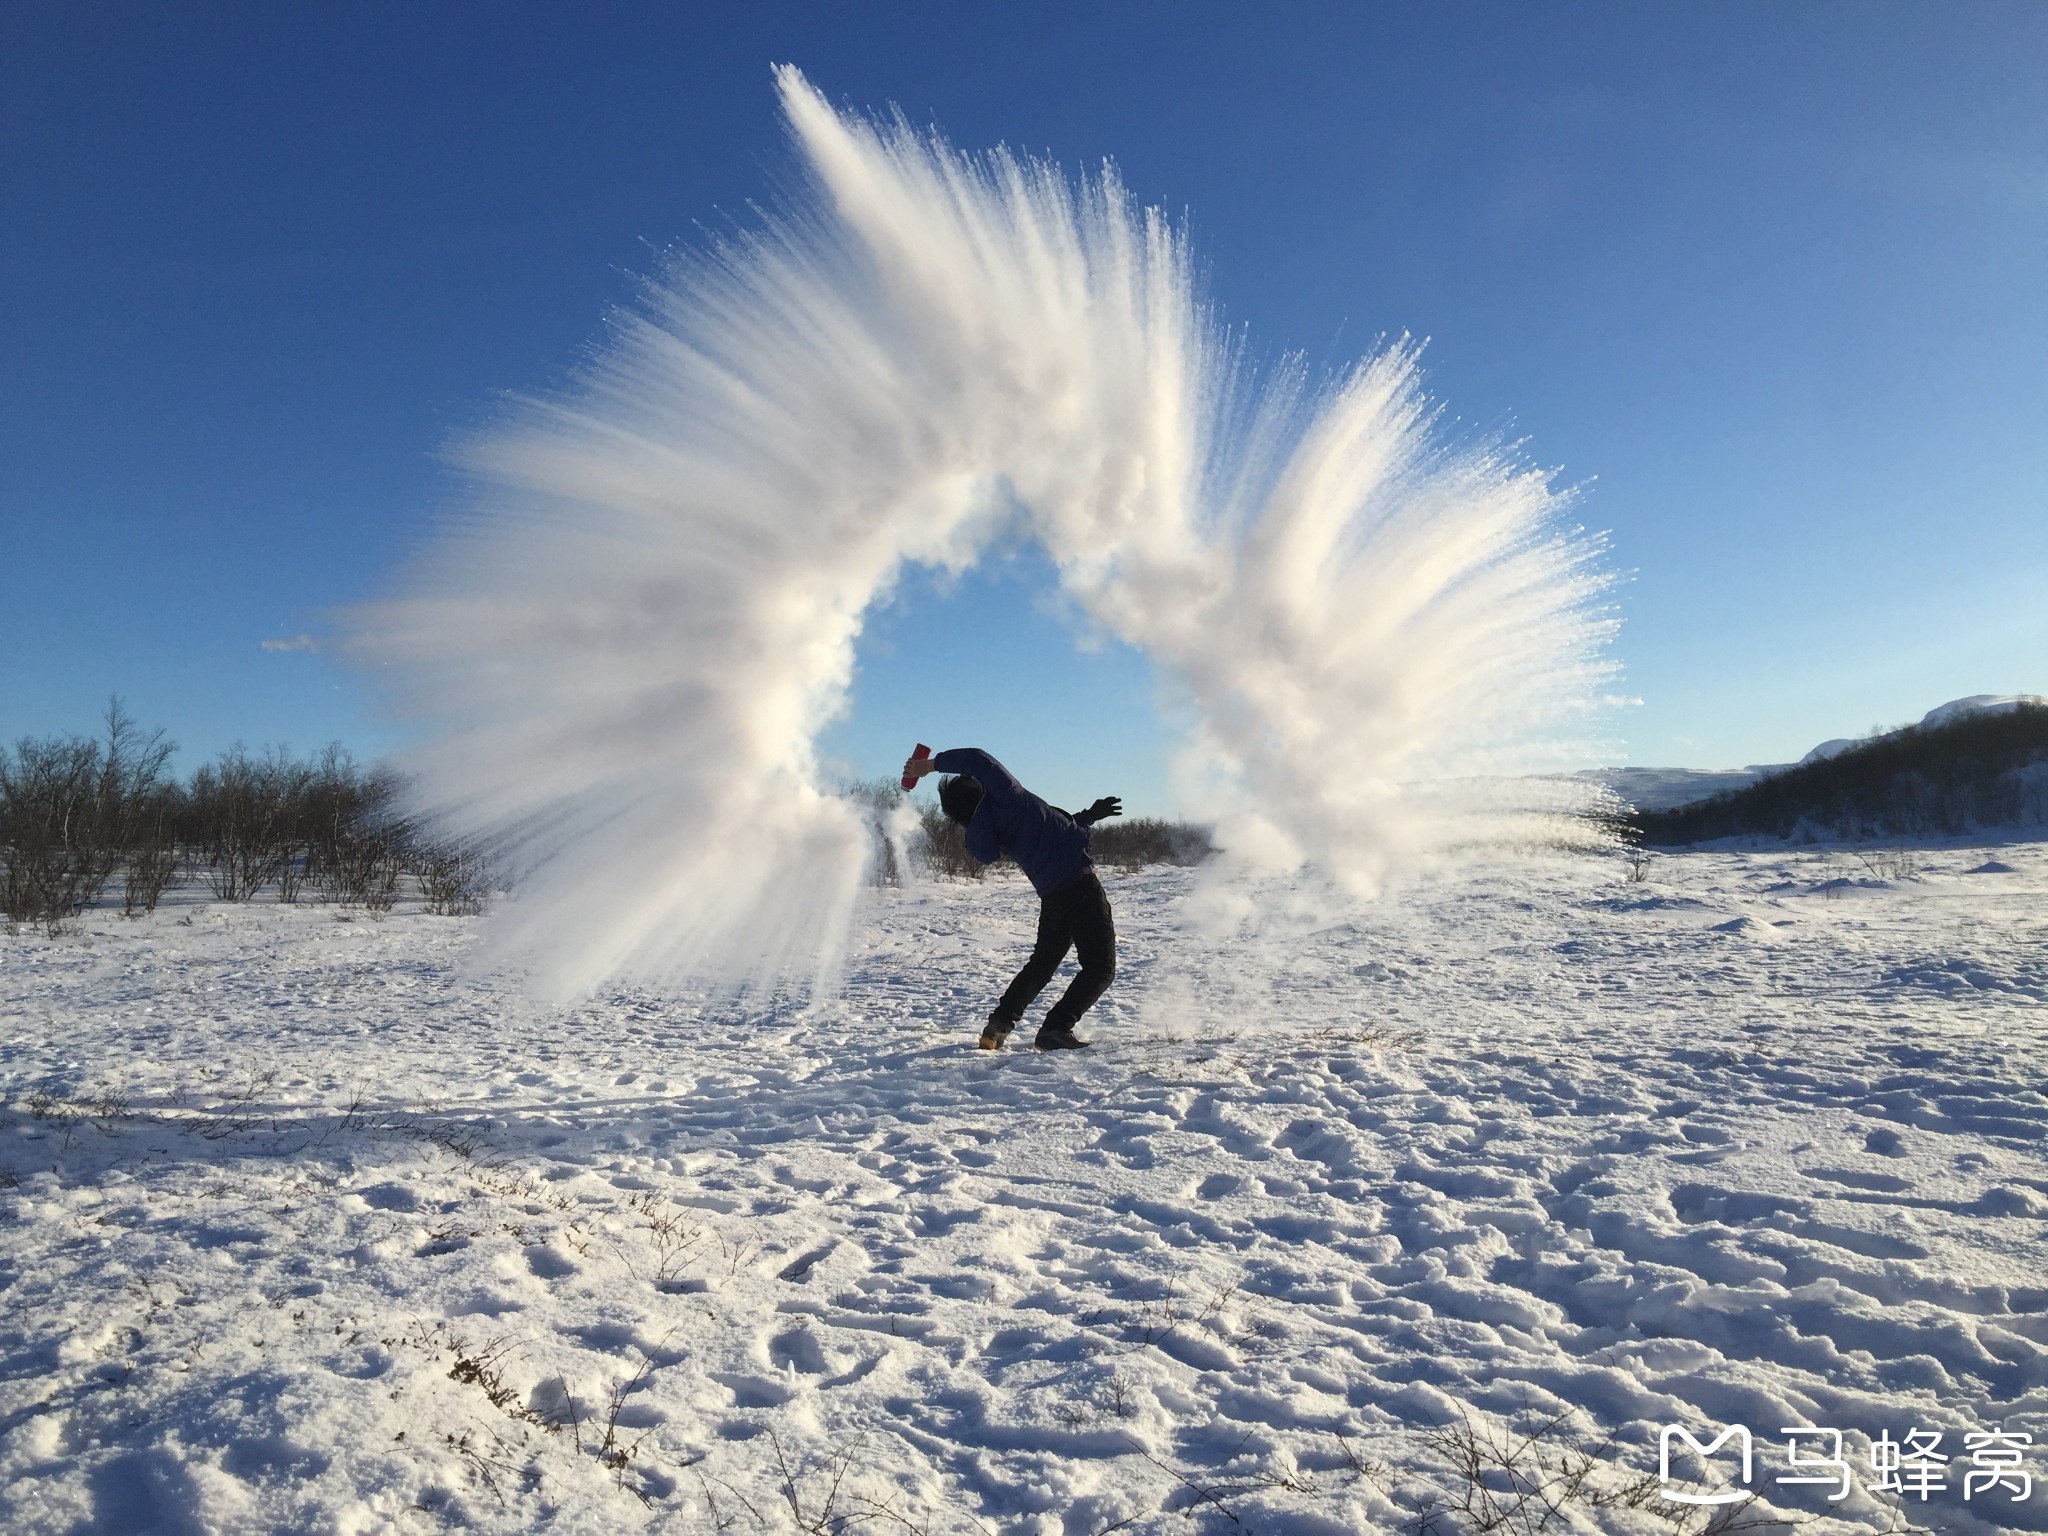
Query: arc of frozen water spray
622	655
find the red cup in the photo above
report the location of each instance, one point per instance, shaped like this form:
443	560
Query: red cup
922	751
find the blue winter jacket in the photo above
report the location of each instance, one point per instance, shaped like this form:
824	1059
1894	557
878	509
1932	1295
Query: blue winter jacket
1046	843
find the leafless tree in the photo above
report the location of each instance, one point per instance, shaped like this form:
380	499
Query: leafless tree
71	807
242	808
355	837
154	856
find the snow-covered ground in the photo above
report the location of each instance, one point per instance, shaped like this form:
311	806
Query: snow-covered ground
304	1231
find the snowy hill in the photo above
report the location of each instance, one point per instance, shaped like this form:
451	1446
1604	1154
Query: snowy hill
1964	771
1940	715
1980	704
1663	789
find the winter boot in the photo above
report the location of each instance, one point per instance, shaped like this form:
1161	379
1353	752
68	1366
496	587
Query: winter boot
1059	1040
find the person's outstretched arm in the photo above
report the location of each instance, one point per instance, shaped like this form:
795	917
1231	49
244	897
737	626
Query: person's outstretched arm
1101	810
996	781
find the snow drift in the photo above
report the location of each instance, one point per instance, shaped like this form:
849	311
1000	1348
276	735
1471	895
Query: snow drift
622	656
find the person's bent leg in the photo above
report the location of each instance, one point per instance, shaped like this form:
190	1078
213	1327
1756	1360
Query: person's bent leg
1055	938
1094	938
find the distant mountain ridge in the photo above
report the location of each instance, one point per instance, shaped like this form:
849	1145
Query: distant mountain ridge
1941	714
1664	789
1974	764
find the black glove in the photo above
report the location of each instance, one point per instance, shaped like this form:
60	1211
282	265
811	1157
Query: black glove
1107	806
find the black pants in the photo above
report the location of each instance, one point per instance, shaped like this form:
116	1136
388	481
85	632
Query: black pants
1076	916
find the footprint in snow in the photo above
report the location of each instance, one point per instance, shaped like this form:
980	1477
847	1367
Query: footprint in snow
938	1223
1885	1142
2008	1200
798	1350
968	1287
1695	1203
798	1270
547	1264
750	1391
1855	1178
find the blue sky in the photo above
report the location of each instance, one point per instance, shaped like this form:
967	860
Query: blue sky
1772	279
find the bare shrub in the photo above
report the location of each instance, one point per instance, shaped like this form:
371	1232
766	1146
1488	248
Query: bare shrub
360	871
237	805
943	847
1528	1481
676	1241
1149	840
355	837
292	863
54	866
367	878
1888	863
153	867
69	809
484	1368
822	1501
454	879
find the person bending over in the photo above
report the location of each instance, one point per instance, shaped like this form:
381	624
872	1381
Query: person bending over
1001	816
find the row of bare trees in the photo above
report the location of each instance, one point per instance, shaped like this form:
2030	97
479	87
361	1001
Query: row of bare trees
81	814
77	811
940	848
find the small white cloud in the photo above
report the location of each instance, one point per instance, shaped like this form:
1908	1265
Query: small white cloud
295	643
